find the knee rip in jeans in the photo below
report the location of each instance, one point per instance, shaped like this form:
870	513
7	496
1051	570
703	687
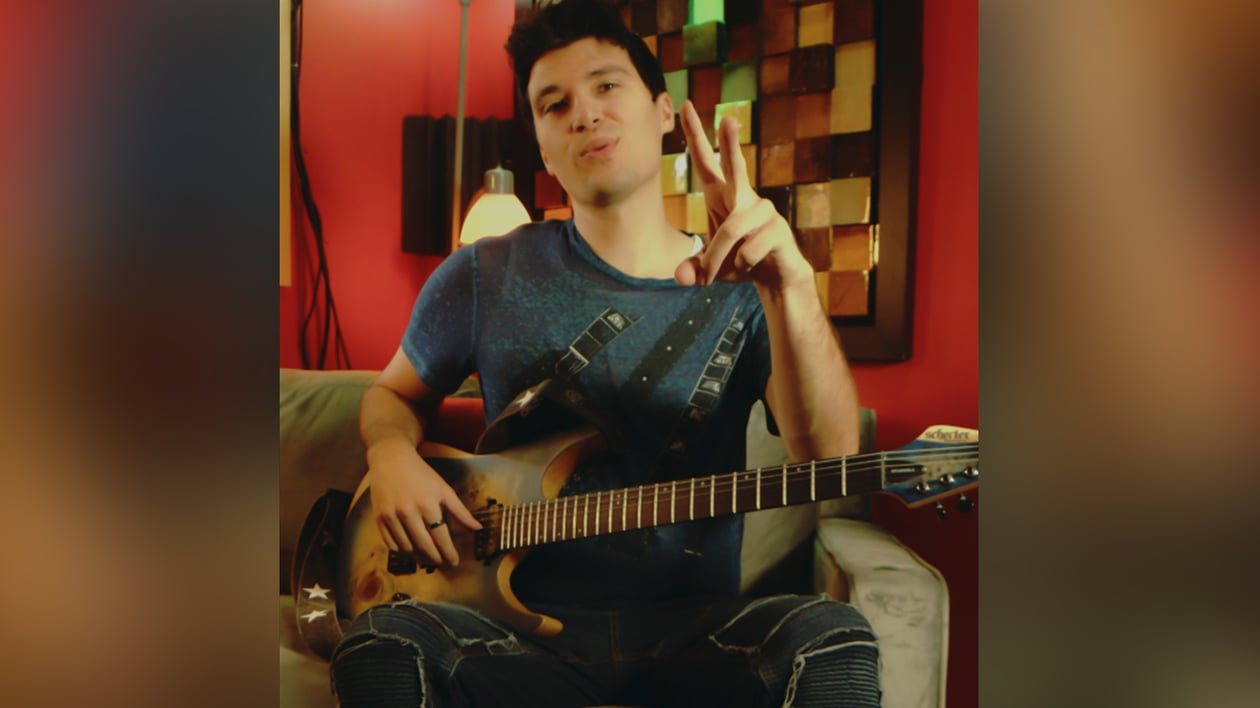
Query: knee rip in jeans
753	607
812	651
489	637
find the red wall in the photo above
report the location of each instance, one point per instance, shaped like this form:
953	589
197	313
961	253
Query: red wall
364	69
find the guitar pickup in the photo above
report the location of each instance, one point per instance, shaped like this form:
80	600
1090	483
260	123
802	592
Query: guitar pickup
400	563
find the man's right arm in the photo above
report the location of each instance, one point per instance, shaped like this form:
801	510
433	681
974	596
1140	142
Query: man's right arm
408	495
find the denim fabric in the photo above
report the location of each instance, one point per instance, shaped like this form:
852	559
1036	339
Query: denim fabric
787	650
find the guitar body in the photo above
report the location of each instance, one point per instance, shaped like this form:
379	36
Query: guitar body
368	576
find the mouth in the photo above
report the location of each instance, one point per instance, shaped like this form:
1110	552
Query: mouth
599	147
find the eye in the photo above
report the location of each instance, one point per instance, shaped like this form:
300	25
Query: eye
607	86
553	106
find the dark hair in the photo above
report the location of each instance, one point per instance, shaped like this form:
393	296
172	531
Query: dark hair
563	22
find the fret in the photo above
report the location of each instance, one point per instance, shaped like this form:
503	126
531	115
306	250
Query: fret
712	494
734	490
656	504
638	514
533	524
612	497
883	482
625	504
546	509
504	543
575	515
597	513
564	512
844	477
758	487
673	489
691	501
812	495
585	510
555	519
784	484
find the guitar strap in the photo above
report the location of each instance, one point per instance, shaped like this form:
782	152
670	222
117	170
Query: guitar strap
313	576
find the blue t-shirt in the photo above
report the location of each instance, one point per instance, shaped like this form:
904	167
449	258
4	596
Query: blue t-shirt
675	368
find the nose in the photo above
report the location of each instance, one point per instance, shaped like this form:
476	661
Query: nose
585	114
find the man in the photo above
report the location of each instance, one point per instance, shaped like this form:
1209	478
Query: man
670	339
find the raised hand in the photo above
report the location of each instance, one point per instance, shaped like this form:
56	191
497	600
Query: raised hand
750	240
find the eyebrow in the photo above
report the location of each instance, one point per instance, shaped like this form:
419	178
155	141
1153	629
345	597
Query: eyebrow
593	73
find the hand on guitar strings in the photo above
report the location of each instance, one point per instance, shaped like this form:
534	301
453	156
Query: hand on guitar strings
414	507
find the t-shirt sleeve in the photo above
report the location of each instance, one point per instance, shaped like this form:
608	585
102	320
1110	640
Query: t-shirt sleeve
441	334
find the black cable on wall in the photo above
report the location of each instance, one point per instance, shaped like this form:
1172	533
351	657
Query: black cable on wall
318	305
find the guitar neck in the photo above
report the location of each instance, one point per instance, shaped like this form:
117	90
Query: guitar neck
631	508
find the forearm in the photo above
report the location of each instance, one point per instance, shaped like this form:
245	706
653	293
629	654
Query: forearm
388	422
811	389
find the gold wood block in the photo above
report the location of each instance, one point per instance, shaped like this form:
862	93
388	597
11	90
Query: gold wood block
813	205
822	280
852	248
777	164
697	214
851	108
776	71
817	24
855	63
676	211
851	201
846	292
741	111
674	174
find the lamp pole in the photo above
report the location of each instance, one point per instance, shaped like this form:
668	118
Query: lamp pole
457	207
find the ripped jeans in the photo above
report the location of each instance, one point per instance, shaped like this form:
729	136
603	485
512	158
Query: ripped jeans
786	650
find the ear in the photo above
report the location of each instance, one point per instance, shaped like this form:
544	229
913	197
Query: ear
665	105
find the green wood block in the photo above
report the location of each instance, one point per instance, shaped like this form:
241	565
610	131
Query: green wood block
704	44
676	87
739	81
707	11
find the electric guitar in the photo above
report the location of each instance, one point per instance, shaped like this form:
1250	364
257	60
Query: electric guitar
515	496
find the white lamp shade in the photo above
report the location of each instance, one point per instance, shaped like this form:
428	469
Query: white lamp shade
493	214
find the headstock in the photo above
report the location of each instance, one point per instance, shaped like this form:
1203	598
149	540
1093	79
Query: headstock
944	461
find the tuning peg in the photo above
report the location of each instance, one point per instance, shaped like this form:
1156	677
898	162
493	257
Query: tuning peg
965	505
940	511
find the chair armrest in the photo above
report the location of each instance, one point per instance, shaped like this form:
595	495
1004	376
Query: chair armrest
904	598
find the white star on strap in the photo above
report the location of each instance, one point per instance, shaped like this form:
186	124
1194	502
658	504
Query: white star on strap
314	615
317	591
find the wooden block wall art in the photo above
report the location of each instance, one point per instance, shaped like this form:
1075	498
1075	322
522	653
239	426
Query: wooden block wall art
704	44
855	64
643	17
813	206
813	115
678	86
739	81
650	41
847	293
745	42
702	11
775	74
670	51
676	139
706	87
778	31
778	120
675	177
855	20
816	24
782	199
853	155
742	112
812	162
671	15
740	12
852	248
697	214
851	109
812	69
851	201
815	244
676	211
776	164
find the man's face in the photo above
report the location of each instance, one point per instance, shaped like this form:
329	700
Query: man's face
599	130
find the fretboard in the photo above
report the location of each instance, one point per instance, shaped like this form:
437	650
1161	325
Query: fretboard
599	513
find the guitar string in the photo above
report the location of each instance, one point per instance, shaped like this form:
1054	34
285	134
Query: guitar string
854	466
798	471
